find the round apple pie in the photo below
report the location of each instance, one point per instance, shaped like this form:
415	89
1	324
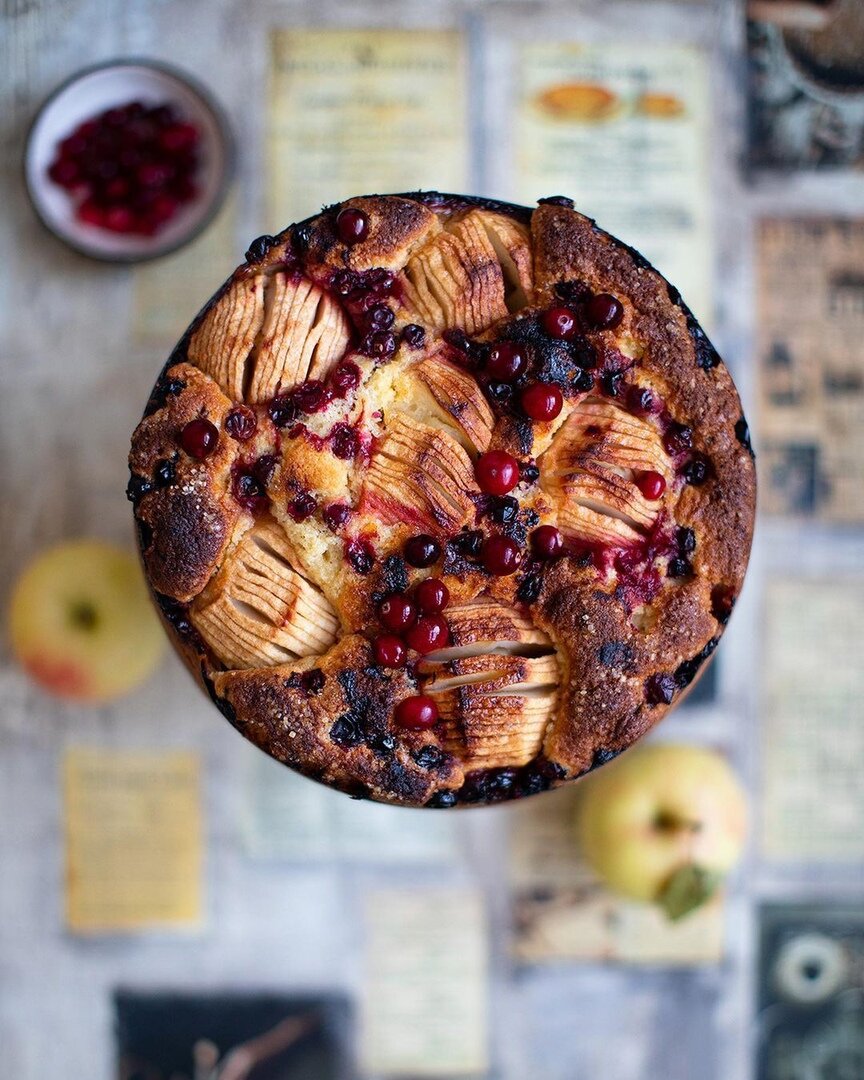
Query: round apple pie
444	501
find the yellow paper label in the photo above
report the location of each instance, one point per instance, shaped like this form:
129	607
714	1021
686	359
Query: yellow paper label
133	840
623	130
352	112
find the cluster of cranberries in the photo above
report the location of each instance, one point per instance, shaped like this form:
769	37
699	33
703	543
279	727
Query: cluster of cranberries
414	622
314	396
497	473
586	309
130	168
507	361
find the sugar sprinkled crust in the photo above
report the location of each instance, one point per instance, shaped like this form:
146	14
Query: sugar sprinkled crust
345	370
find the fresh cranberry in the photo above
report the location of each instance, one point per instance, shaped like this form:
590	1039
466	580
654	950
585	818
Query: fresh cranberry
345	442
496	472
179	137
560	322
360	555
345	378
91	213
396	612
432	596
163	208
119	219
313	396
154	174
389	651
416	713
64	172
546	542
303	507
335	515
414	336
542	401
199	438
421	551
430	632
651	484
352	225
241	423
678	438
501	556
117	189
282	410
604	312
506	361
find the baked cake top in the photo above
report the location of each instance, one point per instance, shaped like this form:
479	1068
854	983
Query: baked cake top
444	500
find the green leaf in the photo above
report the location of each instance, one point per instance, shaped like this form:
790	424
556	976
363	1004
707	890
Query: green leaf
687	890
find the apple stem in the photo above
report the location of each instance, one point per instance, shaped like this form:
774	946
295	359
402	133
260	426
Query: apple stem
667	822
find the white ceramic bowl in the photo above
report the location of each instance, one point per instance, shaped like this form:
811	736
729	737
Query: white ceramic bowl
113	84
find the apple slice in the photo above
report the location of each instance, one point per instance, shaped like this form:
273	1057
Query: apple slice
258	611
456	280
420	475
512	244
459	399
304	333
221	345
591	468
81	621
495	686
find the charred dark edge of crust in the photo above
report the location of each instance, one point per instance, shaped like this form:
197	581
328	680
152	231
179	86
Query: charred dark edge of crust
489	785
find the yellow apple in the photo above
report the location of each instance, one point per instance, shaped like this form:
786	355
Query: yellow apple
81	622
664	823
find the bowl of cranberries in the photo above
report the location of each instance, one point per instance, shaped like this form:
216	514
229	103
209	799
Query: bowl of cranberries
128	161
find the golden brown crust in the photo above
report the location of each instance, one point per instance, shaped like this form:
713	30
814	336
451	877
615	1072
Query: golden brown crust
364	401
188	513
